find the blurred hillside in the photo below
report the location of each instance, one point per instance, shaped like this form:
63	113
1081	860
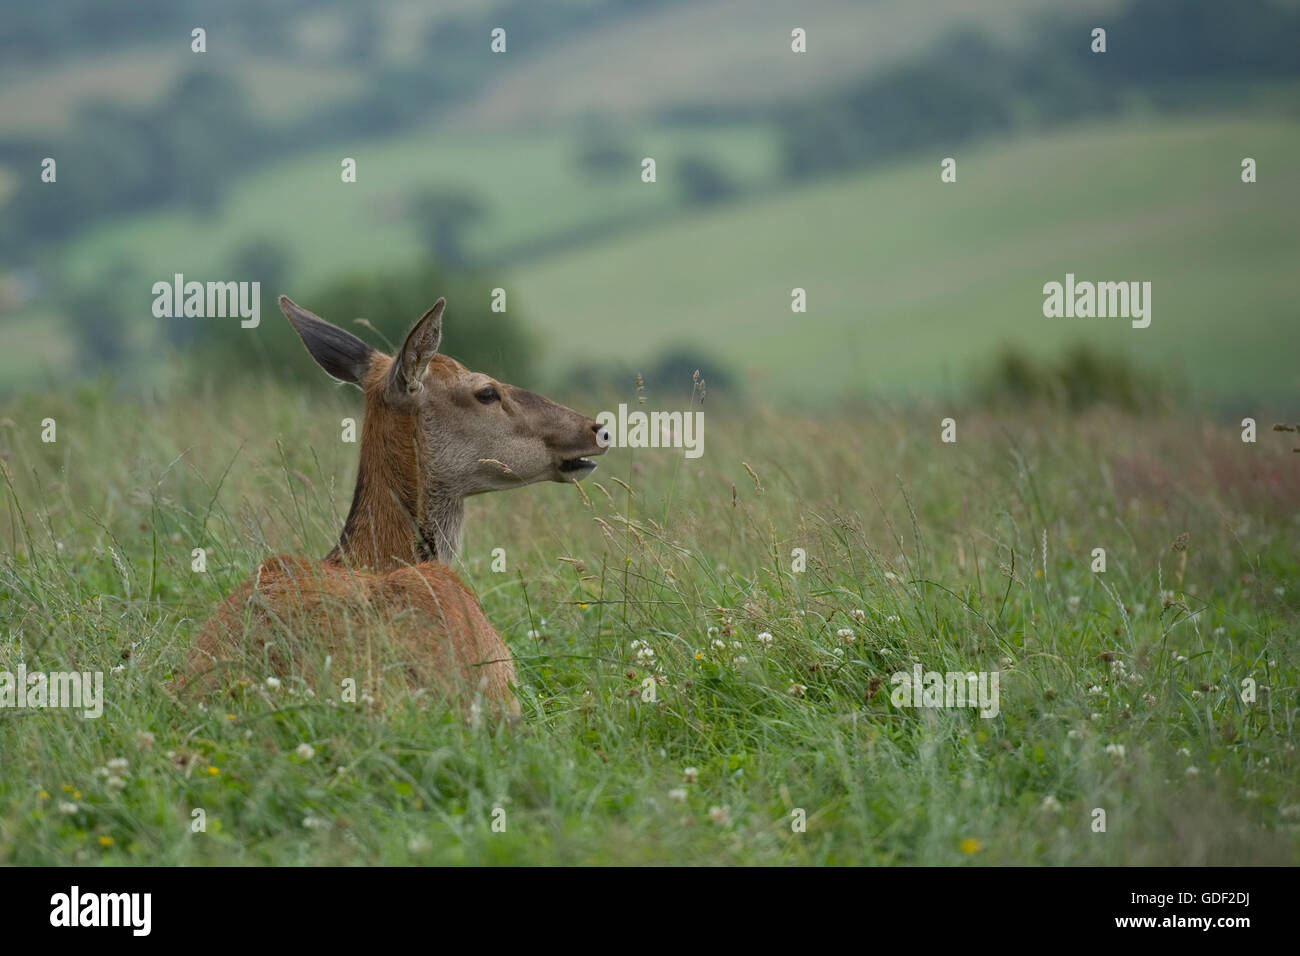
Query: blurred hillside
522	171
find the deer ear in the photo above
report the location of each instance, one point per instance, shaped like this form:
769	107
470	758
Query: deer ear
407	374
341	354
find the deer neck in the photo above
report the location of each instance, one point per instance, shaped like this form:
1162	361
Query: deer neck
398	516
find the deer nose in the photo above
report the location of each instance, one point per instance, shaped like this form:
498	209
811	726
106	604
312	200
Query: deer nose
603	436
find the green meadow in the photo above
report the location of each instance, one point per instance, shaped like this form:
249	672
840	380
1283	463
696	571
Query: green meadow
531	186
715	655
911	283
1147	713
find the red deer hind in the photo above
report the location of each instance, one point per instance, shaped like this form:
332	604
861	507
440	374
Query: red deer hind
434	433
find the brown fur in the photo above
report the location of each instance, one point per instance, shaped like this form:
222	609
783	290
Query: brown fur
418	626
426	443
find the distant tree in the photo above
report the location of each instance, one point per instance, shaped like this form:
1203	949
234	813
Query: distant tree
677	369
223	341
363	34
442	217
1081	377
389	302
602	152
263	260
96	313
672	375
704	181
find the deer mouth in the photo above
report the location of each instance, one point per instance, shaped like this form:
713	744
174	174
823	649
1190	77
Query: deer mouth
577	467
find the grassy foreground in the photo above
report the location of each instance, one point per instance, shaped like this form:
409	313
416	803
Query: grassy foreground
1120	691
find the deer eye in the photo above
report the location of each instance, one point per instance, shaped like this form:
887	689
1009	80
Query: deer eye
487	395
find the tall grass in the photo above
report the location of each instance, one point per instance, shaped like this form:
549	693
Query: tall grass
1120	691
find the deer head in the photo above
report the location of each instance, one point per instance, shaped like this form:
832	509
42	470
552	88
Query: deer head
435	433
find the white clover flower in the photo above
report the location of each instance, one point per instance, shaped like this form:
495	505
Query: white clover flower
1096	690
1184	752
765	639
273	683
739	660
144	740
533	635
305	751
1051	804
845	635
1073	602
118	765
1220	631
1074	734
68	809
859	615
719	816
115	783
313	822
720	645
797	690
678	794
691	774
1192	772
645	653
712	631
893	619
1115	750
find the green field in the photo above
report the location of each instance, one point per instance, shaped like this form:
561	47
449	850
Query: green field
302	76
724	53
1120	691
708	650
732	53
911	282
531	186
